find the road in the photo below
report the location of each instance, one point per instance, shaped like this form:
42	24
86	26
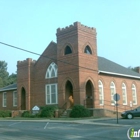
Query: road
24	130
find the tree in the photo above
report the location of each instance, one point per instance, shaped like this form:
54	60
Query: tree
1	82
12	79
3	73
5	78
133	68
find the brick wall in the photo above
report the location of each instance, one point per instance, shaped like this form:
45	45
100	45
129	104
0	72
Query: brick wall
38	96
77	36
9	104
107	79
25	79
78	68
31	77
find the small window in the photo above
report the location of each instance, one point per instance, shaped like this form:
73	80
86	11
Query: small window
88	50
68	50
15	98
4	99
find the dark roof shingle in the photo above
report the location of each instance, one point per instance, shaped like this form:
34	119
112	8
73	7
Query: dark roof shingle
105	65
9	87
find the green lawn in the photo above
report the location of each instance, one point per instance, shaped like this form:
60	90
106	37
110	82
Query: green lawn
25	118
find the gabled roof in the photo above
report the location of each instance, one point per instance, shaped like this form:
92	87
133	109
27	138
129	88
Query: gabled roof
108	67
52	44
9	87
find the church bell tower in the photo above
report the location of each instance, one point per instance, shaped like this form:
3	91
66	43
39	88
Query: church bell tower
77	63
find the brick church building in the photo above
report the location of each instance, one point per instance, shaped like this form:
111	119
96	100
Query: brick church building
70	72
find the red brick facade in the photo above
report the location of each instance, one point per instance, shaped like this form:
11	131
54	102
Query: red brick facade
77	75
9	100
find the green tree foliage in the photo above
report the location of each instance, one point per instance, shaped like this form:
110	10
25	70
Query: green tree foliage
26	114
5	113
79	111
12	79
133	68
5	78
3	73
1	82
48	111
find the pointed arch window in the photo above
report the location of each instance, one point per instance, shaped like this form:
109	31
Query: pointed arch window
87	50
67	50
134	95
113	91
101	93
124	94
51	71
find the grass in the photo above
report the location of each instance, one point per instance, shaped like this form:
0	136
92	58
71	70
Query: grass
22	118
68	119
83	118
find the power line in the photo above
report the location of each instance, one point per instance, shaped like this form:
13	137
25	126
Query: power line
44	56
24	50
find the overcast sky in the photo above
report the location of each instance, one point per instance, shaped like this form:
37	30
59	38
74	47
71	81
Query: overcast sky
32	24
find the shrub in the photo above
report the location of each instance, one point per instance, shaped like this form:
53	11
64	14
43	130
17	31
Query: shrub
79	111
47	111
26	114
5	113
29	115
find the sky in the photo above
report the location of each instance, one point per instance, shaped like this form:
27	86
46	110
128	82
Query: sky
32	25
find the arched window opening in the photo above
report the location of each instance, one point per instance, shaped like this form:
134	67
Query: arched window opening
87	50
68	50
23	99
134	95
89	94
101	93
124	94
113	91
51	71
69	98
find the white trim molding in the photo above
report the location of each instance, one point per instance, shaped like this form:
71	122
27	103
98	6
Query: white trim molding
119	74
8	89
